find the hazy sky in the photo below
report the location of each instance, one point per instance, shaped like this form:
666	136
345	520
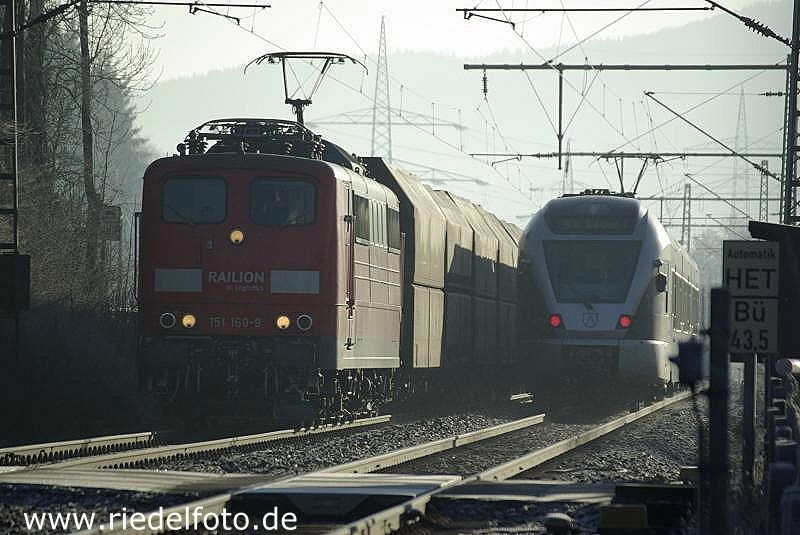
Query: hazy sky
611	114
201	42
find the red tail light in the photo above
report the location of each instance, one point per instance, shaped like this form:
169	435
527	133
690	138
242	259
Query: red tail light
625	321
555	320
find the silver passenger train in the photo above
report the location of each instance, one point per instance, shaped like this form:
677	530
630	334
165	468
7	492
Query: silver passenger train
605	293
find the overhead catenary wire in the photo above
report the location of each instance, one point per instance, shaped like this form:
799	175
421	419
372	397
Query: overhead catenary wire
350	87
694	107
433	103
755	165
550	64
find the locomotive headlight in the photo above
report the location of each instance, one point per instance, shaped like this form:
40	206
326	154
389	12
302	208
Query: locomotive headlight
188	321
283	322
236	236
304	322
625	321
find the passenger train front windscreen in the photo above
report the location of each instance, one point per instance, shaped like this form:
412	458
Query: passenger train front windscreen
596	271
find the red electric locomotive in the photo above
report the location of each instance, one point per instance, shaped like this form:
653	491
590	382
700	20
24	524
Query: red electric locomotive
273	269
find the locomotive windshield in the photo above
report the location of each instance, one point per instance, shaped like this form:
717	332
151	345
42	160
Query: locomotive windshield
193	200
591	271
282	203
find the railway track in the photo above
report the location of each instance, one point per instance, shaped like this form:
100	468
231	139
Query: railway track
53	451
350	477
394	518
143	456
408	492
343	472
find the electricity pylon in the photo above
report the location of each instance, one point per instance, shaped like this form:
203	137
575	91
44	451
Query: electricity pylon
381	109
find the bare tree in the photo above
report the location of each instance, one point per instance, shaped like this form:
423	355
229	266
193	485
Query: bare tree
80	142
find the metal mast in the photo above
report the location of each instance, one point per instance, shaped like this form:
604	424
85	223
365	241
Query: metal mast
763	198
686	221
381	109
790	178
740	174
9	220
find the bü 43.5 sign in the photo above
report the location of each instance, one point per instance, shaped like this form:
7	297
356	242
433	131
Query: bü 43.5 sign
754	325
750	272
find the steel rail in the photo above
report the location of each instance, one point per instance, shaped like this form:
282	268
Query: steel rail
186	513
393	458
33	453
393	518
141	457
537	457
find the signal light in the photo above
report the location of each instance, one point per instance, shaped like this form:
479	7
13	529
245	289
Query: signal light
236	236
188	321
283	322
555	320
625	321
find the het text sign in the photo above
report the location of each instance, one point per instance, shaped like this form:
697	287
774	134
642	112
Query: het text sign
751	275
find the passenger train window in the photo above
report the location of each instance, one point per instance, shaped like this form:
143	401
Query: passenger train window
282	203
193	200
393	224
361	213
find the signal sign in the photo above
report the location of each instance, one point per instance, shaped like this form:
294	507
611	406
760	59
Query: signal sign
751	274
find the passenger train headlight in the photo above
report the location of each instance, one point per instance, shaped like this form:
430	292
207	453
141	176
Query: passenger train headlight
304	322
554	320
188	321
625	321
236	236
283	322
167	320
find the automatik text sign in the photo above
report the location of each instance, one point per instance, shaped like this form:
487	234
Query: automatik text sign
750	272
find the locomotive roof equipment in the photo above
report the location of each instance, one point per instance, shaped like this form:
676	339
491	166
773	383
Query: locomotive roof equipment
265	136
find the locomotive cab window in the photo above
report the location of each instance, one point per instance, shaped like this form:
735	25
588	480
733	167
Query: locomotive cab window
282	203
361	212
193	200
393	228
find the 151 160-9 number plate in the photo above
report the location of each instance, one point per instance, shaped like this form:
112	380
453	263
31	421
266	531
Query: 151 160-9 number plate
235	322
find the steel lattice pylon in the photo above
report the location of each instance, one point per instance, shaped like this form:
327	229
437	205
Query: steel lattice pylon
790	142
9	227
381	109
686	220
740	173
763	203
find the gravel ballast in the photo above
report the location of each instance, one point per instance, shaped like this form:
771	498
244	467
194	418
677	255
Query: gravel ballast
17	500
315	453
